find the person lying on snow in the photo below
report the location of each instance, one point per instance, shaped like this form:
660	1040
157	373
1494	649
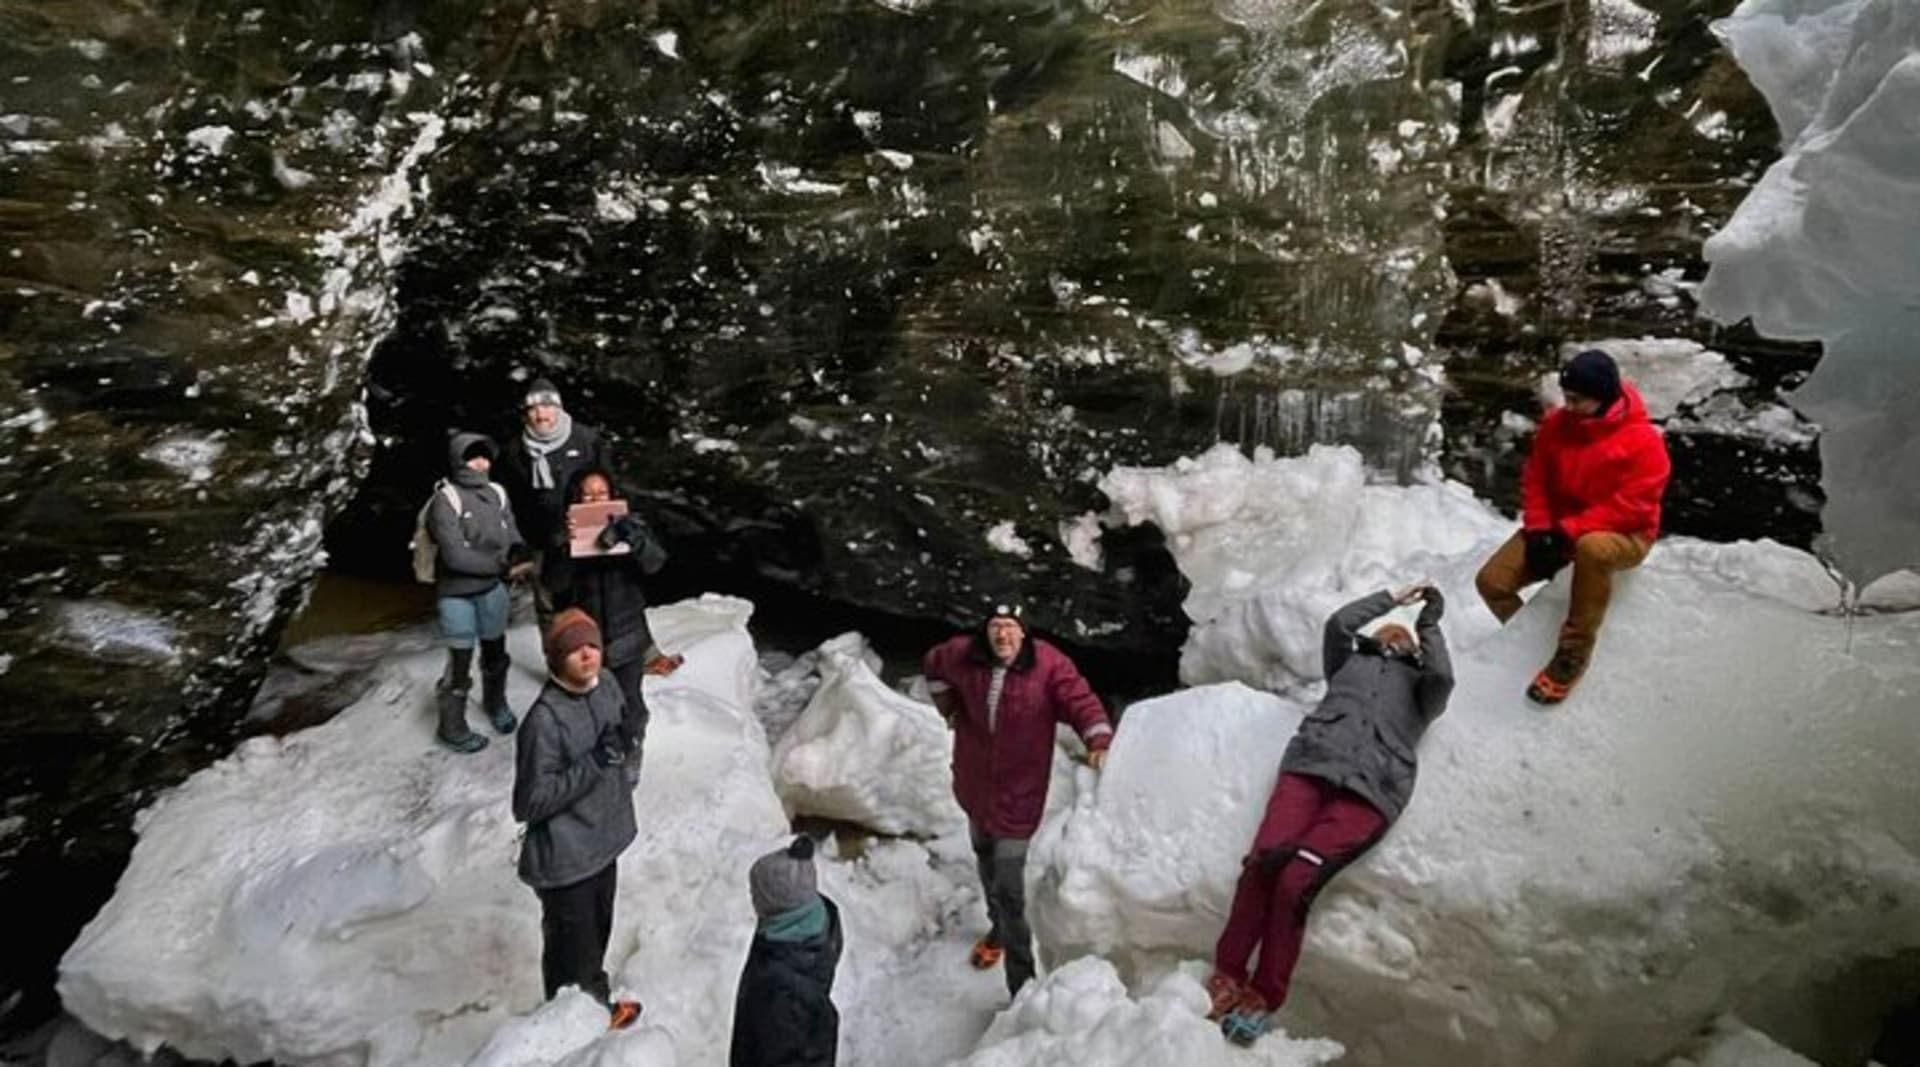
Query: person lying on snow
783	1013
1002	691
1346	776
1589	495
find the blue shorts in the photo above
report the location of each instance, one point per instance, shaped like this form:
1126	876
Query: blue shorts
482	616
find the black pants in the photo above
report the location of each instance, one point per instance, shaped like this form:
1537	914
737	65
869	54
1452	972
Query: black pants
1003	877
576	921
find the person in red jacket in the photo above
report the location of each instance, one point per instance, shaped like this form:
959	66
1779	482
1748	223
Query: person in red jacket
1002	691
1590	496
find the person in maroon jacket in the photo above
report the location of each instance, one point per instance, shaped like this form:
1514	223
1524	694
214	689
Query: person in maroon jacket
1003	691
1589	496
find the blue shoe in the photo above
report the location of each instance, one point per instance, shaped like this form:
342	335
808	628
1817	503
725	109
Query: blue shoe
1244	1026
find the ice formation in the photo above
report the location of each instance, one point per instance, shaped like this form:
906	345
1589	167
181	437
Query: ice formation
865	754
1822	249
1716	821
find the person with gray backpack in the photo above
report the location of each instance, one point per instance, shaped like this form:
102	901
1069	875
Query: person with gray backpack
467	544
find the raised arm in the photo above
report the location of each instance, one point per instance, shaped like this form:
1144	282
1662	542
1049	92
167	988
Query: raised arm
1436	671
1344	625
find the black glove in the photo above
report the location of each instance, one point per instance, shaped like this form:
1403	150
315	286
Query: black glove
621	529
610	750
1433	607
1547	552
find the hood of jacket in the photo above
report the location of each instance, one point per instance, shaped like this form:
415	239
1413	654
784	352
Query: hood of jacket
457	446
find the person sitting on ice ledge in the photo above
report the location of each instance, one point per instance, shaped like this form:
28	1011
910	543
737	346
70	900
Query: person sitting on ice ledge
569	789
1346	776
1589	495
783	1013
1002	691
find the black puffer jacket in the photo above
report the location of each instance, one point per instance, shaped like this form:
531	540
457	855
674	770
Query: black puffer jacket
783	1015
1363	734
474	545
610	588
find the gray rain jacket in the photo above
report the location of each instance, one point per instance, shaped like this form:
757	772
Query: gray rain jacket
579	815
1363	734
473	546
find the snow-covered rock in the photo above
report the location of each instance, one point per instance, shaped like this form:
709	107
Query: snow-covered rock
1731	1043
863	753
1717	820
1822	249
1082	1015
348	894
1668	372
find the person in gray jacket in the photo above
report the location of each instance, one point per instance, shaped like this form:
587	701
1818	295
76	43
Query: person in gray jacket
1346	776
570	790
477	548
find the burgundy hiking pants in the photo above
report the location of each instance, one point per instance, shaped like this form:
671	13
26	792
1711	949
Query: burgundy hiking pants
1312	829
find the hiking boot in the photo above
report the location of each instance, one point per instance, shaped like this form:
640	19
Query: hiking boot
622	1014
985	954
1243	1026
1224	993
1557	678
453	731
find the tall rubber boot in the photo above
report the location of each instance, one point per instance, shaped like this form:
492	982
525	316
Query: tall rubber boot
493	684
451	695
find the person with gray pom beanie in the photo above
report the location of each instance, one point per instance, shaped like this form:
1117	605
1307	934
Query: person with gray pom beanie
783	1014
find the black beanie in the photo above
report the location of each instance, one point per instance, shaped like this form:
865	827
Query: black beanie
1592	374
479	446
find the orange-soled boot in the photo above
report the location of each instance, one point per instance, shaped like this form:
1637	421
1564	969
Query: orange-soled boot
622	1014
985	954
1556	679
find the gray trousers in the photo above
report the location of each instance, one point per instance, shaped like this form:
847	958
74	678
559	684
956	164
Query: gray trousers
1003	878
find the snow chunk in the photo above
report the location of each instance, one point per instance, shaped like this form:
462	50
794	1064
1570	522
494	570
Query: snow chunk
1082	538
863	753
1668	372
1671	843
1082	1016
1002	538
212	140
1822	249
190	456
1733	1044
786	179
114	631
667	43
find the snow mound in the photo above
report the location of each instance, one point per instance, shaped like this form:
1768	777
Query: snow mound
1732	1044
1822	249
1717	820
1082	1016
1266	571
1669	372
348	895
865	754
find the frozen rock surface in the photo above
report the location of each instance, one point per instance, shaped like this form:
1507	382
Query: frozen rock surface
863	753
1716	821
1822	250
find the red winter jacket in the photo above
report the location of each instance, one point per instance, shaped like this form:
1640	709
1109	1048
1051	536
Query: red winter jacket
1600	474
1000	772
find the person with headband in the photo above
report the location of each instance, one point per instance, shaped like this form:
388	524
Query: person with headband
1346	776
1003	690
1590	496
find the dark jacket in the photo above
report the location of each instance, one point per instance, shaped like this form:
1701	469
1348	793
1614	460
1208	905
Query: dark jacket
783	1015
610	588
1363	735
473	547
1601	474
543	512
579	815
1001	769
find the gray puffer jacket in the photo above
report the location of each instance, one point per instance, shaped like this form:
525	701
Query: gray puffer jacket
473	546
1363	734
579	815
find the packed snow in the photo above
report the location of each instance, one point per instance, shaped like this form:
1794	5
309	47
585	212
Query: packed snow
1706	828
1822	249
1717	820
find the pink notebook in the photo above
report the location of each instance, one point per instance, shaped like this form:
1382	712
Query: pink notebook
588	520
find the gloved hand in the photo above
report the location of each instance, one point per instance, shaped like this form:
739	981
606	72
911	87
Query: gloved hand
620	530
610	750
1547	552
1433	607
1097	758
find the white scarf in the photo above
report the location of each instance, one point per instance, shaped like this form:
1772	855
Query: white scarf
539	445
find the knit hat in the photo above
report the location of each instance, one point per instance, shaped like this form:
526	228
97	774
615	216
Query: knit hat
1593	374
481	445
543	391
1009	609
784	880
569	630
